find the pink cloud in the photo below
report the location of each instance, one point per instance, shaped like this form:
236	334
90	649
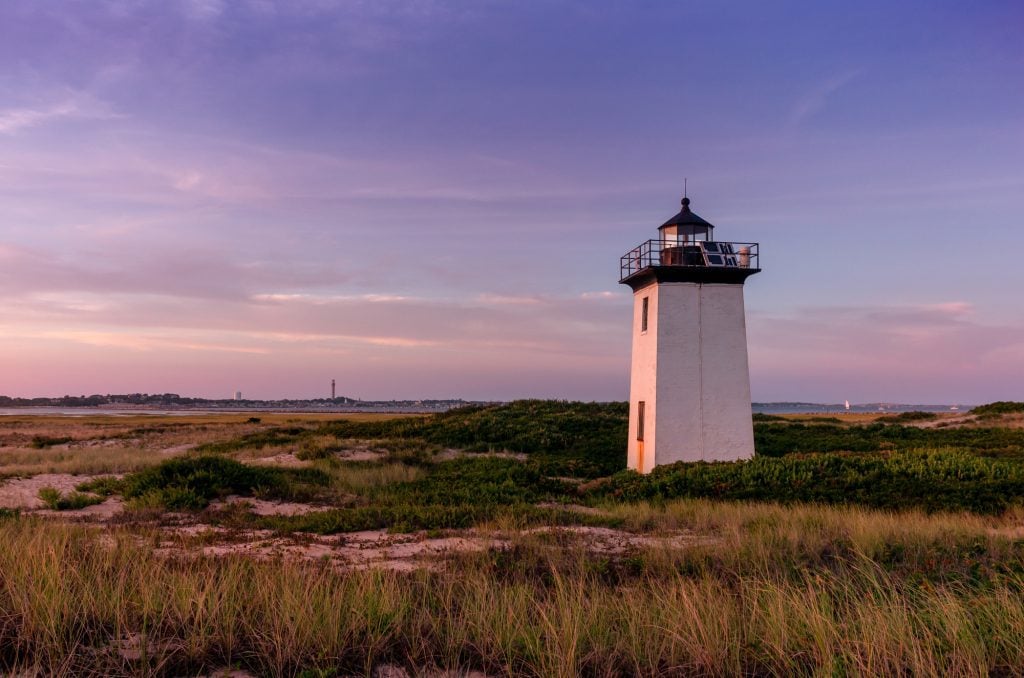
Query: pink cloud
922	353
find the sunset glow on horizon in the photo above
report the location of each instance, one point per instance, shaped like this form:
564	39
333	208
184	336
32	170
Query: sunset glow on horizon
429	199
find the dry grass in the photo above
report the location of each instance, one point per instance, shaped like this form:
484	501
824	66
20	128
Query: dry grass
862	525
97	461
357	478
69	603
121	444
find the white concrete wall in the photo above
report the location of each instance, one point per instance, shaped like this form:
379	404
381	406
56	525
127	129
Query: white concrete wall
679	374
691	369
728	425
643	379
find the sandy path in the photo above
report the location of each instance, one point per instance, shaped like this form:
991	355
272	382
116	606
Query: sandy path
403	552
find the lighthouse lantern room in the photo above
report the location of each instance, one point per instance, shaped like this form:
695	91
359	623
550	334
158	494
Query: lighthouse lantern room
689	380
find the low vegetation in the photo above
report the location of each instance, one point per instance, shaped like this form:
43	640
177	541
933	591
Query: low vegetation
934	480
999	407
775	439
192	482
581	439
904	417
883	548
56	500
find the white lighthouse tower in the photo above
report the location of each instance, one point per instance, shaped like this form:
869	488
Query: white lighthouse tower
689	393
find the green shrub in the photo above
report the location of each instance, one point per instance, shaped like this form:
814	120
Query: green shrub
459	493
314	448
42	442
999	407
903	417
56	501
191	482
105	486
931	480
777	439
588	438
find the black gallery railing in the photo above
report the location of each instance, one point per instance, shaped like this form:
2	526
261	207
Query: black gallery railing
700	253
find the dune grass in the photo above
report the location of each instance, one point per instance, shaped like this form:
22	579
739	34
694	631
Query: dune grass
785	591
360	478
18	462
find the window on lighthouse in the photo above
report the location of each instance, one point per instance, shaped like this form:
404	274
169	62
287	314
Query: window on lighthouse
643	315
640	407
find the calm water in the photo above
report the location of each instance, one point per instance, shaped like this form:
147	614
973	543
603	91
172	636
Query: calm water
869	408
90	412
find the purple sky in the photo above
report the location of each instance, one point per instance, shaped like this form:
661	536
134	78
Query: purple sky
429	199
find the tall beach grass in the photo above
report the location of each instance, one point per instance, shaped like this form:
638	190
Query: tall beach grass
804	592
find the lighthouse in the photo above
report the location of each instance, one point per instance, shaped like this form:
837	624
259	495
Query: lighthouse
689	391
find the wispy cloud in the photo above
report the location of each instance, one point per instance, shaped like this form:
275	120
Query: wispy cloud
204	10
133	341
177	271
81	106
817	98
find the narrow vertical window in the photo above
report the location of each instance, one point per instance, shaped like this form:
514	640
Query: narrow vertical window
640	407
643	315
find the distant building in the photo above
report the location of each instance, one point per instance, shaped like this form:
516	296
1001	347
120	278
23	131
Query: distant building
238	395
689	381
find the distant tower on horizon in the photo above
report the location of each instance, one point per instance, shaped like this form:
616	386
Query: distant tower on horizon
332	390
689	391
238	395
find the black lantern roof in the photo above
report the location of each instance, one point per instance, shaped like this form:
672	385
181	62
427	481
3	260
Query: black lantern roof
687	218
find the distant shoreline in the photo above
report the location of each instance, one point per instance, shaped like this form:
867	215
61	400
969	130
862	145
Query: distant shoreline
182	411
407	407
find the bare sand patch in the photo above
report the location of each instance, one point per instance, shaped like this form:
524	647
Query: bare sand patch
202	530
177	449
356	550
284	460
23	493
1013	420
361	454
609	541
452	453
378	549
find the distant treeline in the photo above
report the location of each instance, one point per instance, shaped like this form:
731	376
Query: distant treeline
153	399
